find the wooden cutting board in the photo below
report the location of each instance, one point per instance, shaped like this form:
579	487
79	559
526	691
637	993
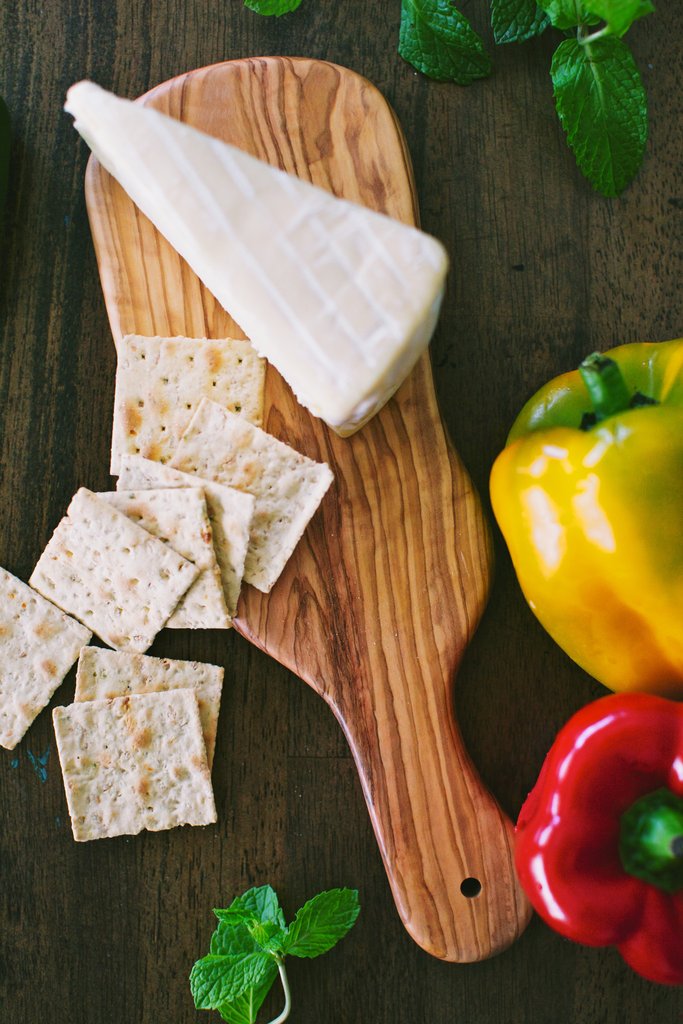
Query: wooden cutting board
382	595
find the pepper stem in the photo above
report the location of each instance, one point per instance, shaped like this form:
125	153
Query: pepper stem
606	386
651	839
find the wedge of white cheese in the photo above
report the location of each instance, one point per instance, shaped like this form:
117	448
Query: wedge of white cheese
340	299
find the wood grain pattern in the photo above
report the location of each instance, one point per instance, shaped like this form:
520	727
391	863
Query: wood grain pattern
379	601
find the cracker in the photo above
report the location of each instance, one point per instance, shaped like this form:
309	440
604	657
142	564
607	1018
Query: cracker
230	513
112	575
287	486
159	382
102	674
133	763
38	646
179	518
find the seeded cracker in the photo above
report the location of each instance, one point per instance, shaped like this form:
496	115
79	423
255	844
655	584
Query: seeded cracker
160	381
179	518
132	763
38	646
102	674
111	574
230	513
287	486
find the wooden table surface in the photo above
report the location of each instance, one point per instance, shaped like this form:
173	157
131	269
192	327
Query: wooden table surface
544	271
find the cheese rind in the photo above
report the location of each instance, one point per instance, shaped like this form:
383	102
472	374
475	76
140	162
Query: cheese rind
342	300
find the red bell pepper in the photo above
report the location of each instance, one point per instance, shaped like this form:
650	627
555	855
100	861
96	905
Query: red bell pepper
599	840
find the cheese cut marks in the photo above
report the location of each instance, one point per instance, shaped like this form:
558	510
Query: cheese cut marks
340	299
132	763
38	646
287	486
160	381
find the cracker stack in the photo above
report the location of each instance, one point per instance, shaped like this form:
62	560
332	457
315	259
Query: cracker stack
132	763
287	486
111	574
188	413
205	499
137	746
103	674
179	517
230	513
160	381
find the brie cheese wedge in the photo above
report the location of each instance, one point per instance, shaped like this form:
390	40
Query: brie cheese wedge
340	299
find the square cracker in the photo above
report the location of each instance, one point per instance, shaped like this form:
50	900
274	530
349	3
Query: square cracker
102	674
112	575
179	518
159	382
230	514
287	486
38	646
132	763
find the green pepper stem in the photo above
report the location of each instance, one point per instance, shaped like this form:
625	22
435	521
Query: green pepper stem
606	386
651	839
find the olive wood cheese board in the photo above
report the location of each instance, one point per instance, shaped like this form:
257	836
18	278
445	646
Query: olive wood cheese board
380	599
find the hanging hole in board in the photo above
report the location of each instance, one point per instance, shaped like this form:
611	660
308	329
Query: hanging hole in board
470	887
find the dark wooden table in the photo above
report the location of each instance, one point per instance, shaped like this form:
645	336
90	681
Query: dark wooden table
544	271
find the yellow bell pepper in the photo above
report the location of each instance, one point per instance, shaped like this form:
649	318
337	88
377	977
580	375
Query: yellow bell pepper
588	494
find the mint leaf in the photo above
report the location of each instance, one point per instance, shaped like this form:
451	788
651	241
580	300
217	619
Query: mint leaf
267	936
322	922
602	105
514	21
440	42
276	7
258	910
233	940
260	904
220	979
619	14
244	1008
567	13
236	940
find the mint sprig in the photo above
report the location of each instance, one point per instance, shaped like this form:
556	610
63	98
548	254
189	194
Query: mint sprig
440	42
249	946
599	95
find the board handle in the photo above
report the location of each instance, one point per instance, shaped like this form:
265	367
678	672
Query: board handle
446	844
